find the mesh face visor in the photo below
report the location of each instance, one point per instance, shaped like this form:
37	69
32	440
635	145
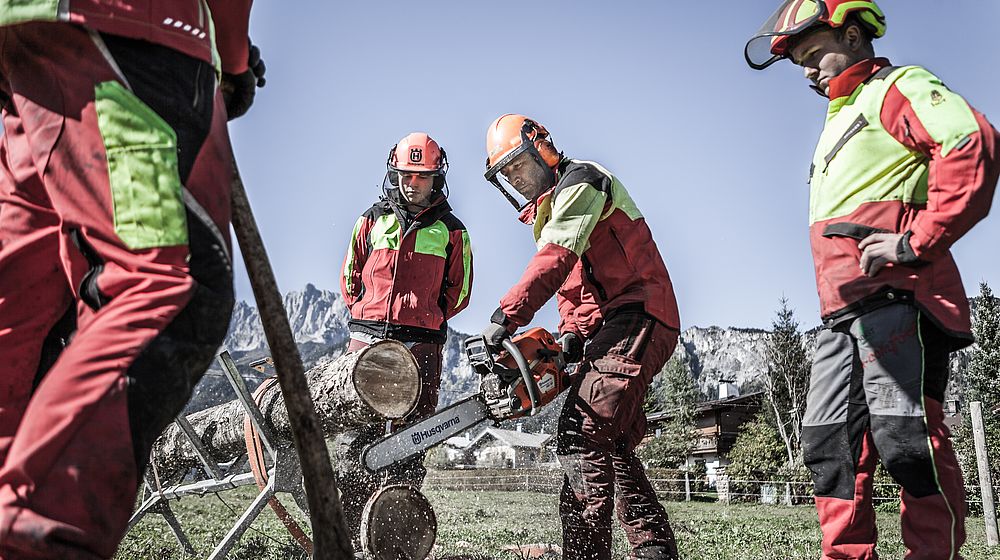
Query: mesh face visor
769	44
394	179
503	185
494	175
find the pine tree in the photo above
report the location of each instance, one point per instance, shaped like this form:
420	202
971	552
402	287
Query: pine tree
786	380
673	391
983	375
982	383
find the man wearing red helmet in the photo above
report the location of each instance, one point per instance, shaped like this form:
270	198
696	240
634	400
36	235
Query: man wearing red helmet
618	319
903	169
408	270
115	174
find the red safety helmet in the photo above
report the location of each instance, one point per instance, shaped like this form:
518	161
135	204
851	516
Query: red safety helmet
771	42
417	153
509	136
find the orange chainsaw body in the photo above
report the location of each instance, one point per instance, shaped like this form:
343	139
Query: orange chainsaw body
548	369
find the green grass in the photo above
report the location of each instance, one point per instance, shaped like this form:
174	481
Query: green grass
479	524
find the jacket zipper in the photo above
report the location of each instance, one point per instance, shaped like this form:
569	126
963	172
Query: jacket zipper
589	270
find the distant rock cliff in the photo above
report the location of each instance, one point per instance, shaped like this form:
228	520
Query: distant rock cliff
319	324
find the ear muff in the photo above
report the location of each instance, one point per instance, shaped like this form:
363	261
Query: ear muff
549	154
390	160
393	178
439	180
539	138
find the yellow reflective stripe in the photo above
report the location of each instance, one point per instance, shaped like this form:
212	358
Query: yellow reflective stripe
840	13
349	263
467	266
432	240
622	201
575	213
216	58
945	115
952	551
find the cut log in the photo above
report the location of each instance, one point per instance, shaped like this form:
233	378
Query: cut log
398	524
375	383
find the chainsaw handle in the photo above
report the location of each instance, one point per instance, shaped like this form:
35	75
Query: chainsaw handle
529	381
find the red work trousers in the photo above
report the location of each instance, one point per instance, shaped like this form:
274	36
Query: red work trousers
875	393
601	424
115	170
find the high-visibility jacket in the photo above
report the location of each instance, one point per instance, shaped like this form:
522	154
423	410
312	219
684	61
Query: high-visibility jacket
595	248
214	31
900	153
403	279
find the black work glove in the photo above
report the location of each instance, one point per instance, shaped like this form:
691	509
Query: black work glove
904	251
238	90
495	335
497	331
572	347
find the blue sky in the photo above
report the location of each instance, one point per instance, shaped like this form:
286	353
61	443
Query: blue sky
715	155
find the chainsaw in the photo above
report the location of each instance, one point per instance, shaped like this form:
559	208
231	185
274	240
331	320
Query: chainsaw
515	381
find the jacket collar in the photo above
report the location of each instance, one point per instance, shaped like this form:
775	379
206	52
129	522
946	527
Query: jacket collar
844	84
419	220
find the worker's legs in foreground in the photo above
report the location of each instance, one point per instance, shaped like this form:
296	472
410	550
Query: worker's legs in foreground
875	392
128	142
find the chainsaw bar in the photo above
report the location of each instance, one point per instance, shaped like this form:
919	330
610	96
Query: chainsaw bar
420	436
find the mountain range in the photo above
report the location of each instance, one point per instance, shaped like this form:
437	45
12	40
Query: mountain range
319	324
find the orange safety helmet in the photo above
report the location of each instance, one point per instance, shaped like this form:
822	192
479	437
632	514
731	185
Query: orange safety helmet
416	153
511	135
771	42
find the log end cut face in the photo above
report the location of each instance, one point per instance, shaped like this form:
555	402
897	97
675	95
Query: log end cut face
387	379
398	524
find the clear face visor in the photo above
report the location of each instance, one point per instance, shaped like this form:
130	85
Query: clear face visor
495	176
793	17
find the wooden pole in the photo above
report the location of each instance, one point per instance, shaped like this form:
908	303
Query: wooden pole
985	480
330	535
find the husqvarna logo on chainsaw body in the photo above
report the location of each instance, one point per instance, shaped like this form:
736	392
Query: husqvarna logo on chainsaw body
420	436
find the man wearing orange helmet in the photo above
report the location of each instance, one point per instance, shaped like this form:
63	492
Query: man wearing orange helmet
903	169
408	270
618	319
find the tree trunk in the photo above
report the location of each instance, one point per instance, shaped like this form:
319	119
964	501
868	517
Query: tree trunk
377	382
398	524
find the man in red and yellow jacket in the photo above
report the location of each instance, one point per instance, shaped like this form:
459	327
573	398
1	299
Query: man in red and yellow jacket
597	255
115	169
408	271
904	168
